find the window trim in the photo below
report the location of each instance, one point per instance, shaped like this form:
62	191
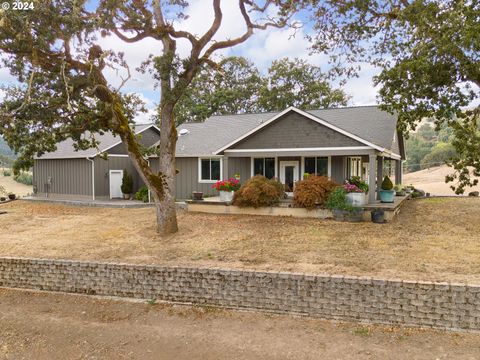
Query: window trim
329	166
349	168
200	180
252	161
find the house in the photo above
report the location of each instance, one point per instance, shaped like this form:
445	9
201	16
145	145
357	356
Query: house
339	143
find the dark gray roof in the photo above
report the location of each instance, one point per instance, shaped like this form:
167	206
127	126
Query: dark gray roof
368	122
65	149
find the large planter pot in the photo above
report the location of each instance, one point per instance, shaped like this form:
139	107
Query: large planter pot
127	196
350	216
386	196
378	216
11	196
356	199
197	195
226	196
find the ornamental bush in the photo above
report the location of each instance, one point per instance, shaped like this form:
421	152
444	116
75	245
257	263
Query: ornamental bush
387	183
24	178
312	191
258	191
127	183
359	183
142	194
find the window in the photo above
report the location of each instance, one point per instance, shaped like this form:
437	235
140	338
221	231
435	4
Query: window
264	166
210	169
316	165
355	166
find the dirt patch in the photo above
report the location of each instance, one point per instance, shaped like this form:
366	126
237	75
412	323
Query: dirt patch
431	239
11	185
433	180
56	326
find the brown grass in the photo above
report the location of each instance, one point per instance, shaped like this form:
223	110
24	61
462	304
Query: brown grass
435	239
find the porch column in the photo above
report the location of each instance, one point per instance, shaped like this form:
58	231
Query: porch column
225	168
398	172
371	178
379	175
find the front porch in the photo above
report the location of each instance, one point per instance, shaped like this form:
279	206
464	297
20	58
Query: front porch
339	164
214	205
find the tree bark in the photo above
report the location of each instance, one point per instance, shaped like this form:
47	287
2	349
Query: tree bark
166	208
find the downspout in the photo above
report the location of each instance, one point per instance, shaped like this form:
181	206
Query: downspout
93	177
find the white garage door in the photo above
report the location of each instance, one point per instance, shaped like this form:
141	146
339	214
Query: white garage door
116	184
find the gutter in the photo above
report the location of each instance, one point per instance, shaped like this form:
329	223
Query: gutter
93	177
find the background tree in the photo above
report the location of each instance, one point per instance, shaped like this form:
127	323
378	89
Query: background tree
238	88
233	89
300	84
54	54
429	54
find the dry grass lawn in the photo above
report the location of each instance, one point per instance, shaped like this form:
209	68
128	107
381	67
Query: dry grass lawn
437	239
11	185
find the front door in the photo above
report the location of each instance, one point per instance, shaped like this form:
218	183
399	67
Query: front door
116	184
289	174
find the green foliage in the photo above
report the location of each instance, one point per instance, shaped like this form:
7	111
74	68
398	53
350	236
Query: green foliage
7	173
142	194
358	182
127	183
240	87
312	191
387	183
258	191
300	84
2	190
440	154
24	178
337	200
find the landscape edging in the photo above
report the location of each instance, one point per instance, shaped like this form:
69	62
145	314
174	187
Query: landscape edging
451	306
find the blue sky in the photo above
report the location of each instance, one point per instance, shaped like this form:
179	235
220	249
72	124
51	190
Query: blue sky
262	48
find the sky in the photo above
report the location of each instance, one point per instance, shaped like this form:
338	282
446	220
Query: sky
262	48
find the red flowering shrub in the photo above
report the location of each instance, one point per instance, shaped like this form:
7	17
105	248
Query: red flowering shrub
258	191
227	185
313	191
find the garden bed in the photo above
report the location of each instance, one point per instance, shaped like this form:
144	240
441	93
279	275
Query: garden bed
431	239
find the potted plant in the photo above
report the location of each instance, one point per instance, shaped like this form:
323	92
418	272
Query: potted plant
226	188
127	185
197	195
356	190
387	193
408	189
399	190
341	209
11	196
237	176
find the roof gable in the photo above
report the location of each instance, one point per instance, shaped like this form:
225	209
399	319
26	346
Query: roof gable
294	130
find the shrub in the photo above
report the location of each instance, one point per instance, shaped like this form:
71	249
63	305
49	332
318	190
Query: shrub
337	200
24	178
2	190
387	183
312	191
258	191
7	173
127	183
142	194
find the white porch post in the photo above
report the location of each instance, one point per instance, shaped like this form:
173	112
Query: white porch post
372	178
379	175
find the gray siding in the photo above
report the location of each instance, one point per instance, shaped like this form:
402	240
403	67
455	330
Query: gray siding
147	139
338	169
240	165
68	176
187	179
295	131
102	174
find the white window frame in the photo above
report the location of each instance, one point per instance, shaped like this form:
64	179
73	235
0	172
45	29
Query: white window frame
360	166
252	159
200	180
316	156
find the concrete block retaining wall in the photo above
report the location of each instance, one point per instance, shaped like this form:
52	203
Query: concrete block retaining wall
414	303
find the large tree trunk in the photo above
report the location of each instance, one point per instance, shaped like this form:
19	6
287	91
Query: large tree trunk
166	209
